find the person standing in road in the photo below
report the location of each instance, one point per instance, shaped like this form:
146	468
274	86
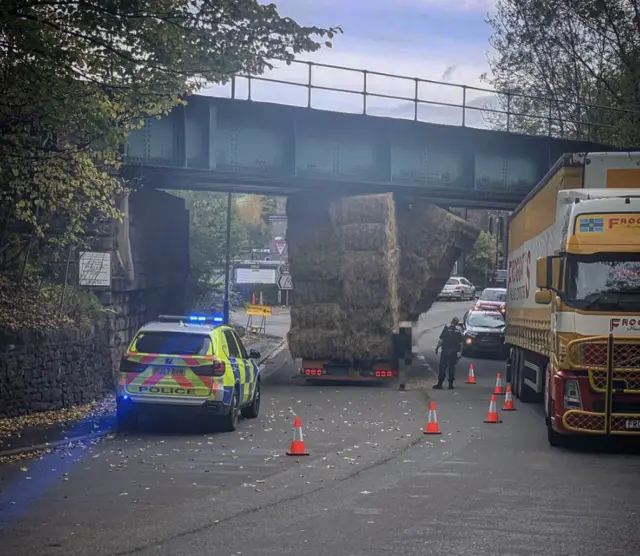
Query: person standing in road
450	342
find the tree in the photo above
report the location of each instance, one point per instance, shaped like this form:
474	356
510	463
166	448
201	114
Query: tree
482	257
569	67
208	245
254	211
77	76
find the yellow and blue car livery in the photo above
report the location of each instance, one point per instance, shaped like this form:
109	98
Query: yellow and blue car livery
188	363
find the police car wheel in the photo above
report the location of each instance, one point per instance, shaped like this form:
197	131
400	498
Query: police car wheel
231	419
253	410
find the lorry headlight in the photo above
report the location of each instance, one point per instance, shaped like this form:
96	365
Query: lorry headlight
572	398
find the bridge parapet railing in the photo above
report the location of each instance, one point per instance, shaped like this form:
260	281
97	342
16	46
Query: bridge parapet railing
375	93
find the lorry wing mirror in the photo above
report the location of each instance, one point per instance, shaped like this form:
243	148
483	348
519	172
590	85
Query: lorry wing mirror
543	297
542	273
547	272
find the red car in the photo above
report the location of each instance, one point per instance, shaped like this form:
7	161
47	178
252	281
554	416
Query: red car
492	299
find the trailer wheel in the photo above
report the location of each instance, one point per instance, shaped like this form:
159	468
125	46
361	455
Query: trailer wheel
525	393
515	371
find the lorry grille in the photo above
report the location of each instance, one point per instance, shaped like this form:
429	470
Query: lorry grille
580	421
591	354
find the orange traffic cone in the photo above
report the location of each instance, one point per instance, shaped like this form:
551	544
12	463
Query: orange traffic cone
253	298
493	417
432	421
508	400
471	377
297	444
498	390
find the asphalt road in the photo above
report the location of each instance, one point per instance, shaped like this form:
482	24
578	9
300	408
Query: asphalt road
373	485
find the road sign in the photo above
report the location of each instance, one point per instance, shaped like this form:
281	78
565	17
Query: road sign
259	310
281	244
284	282
284	268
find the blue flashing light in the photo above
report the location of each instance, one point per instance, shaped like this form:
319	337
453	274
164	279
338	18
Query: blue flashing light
203	319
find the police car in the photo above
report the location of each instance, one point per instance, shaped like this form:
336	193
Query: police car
192	363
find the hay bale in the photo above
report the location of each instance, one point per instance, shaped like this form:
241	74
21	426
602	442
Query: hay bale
363	209
315	262
369	346
365	237
430	240
314	343
317	315
307	292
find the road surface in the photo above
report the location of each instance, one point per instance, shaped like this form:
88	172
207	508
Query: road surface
373	485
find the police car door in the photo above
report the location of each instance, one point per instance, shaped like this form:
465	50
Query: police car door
235	360
250	370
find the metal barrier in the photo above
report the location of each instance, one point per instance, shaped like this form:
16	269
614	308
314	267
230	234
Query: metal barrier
365	92
613	367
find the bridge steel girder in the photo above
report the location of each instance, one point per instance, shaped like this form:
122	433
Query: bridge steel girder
253	147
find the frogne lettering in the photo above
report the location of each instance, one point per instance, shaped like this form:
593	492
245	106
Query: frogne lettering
624	222
167	390
629	324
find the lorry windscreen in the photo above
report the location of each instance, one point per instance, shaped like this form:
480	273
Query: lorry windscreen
603	279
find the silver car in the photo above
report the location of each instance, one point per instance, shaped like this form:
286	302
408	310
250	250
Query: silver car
458	288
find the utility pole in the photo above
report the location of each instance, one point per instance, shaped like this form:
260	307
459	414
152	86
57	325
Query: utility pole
496	228
227	264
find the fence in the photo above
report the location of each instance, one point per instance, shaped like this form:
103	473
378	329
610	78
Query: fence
549	116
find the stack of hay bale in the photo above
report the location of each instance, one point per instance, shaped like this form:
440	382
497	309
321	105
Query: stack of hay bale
360	265
430	240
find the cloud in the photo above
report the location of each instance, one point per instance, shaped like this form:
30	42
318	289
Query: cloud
450	57
462	5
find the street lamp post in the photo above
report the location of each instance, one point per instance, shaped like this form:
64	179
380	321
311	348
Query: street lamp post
227	263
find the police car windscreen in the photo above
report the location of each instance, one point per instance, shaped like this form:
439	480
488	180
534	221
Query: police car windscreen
173	343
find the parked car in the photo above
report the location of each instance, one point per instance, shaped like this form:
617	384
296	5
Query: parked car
492	299
458	288
484	333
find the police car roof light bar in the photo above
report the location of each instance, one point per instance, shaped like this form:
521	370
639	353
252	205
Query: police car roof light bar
200	319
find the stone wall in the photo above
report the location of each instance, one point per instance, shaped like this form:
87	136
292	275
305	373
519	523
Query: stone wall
45	371
48	371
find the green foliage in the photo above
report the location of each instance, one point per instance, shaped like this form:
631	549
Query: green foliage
79	308
580	58
269	208
77	77
481	258
207	242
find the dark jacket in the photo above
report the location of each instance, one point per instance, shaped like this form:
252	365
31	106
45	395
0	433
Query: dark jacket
451	337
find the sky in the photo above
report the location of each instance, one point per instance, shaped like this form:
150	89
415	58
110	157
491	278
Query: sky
439	40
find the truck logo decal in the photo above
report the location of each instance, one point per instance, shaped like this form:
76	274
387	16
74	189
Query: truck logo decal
628	324
520	276
624	222
591	225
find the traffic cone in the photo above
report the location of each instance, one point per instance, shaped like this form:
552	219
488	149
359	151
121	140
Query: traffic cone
508	400
498	390
471	377
493	417
432	421
297	444
253	298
